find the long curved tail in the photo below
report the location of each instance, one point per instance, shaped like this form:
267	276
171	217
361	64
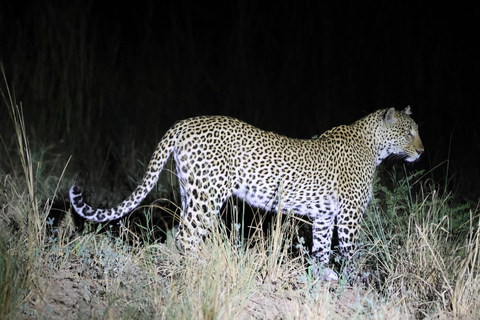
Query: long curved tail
155	166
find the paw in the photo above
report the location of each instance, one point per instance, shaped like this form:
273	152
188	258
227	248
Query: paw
324	273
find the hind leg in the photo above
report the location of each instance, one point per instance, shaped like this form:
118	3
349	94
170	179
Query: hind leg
199	208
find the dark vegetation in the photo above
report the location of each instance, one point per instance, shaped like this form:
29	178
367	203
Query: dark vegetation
103	84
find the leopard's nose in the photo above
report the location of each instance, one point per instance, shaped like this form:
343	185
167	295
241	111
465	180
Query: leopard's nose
419	146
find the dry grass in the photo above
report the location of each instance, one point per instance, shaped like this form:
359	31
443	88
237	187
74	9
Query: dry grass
421	266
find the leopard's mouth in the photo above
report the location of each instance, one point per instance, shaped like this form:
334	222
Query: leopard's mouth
412	158
406	156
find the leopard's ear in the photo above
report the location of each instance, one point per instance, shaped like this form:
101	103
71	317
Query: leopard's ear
389	116
408	111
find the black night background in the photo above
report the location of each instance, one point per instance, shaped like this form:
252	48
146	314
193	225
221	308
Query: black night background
96	73
102	82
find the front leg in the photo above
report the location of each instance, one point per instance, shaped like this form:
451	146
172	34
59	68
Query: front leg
322	242
348	226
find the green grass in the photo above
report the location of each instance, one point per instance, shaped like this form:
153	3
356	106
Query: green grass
417	251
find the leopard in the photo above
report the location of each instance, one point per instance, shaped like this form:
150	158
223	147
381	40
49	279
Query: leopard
328	178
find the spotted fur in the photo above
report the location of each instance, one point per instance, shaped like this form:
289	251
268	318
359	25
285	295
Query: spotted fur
328	178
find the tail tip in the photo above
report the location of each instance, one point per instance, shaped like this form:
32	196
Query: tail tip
76	196
75	190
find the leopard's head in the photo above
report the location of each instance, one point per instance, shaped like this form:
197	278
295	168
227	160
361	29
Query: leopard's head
400	134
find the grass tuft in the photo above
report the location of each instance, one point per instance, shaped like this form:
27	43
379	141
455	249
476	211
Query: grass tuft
417	257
